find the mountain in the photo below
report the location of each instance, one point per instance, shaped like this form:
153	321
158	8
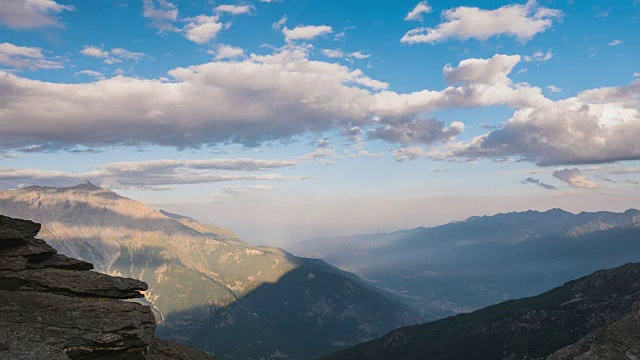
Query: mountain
590	312
208	288
618	340
467	265
53	307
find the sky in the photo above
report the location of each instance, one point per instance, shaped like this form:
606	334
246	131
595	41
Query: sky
295	119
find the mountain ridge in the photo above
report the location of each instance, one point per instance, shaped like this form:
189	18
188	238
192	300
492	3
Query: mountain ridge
466	265
528	328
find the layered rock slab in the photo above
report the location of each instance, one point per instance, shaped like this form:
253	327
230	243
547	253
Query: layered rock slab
53	307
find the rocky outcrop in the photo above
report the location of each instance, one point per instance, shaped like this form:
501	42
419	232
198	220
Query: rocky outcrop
618	340
53	307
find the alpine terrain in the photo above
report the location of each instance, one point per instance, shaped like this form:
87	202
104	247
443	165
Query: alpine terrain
466	265
208	288
595	317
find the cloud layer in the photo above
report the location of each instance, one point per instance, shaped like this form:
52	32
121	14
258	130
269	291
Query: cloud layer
156	174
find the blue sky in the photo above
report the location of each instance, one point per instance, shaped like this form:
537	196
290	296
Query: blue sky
293	119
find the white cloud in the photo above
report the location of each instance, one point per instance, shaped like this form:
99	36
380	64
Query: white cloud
416	14
202	28
359	55
20	57
636	74
91	73
538	56
575	178
235	9
597	126
615	42
554	89
333	53
259	99
155	174
482	71
308	32
31	14
285	94
226	52
113	56
520	21
162	13
337	54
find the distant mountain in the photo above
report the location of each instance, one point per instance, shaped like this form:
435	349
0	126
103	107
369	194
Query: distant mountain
208	288
595	313
466	265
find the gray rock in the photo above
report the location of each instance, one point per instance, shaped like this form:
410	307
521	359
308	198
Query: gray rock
34	248
166	350
56	325
52	308
17	229
15	263
60	261
78	283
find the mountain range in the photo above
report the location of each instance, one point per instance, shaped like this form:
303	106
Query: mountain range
466	265
208	288
592	318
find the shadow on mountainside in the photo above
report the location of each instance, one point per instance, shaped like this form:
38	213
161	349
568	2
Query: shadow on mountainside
309	312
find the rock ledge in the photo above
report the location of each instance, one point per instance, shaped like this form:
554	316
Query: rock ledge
53	307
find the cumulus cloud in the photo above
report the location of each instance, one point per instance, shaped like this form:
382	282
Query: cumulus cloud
615	42
202	28
597	126
262	98
20	57
575	178
155	174
162	13
235	9
416	14
113	56
522	22
31	14
302	32
534	181
222	52
284	94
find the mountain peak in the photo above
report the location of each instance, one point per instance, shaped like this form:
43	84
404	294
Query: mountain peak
87	185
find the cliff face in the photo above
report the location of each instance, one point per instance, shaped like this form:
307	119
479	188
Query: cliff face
53	307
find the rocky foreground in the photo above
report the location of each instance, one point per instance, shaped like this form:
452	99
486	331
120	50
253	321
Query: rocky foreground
53	307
